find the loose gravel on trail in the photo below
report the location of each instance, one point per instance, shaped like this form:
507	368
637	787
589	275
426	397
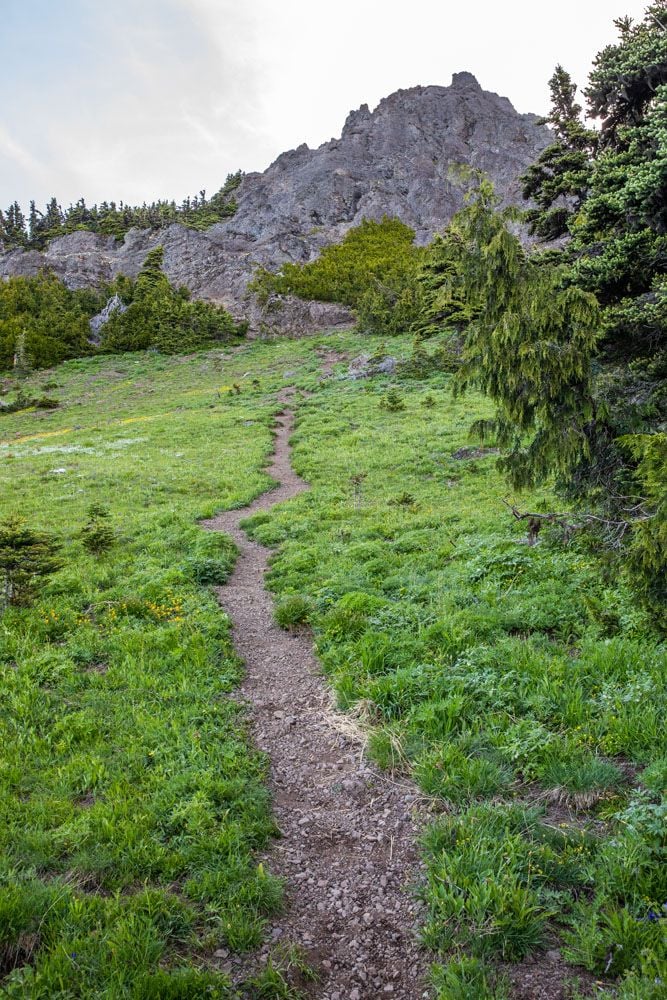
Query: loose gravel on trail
347	848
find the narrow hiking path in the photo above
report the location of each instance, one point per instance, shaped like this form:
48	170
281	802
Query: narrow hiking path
347	850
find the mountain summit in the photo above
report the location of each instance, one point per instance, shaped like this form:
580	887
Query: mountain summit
396	160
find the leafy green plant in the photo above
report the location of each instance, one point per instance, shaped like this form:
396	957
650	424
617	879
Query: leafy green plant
292	610
612	942
467	979
581	779
459	777
483	890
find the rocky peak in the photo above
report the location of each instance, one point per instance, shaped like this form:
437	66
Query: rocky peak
356	121
464	80
395	160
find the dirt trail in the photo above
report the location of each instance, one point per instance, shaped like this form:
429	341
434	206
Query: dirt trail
347	851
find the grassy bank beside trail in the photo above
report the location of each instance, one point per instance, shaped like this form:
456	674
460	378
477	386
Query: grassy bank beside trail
521	685
132	806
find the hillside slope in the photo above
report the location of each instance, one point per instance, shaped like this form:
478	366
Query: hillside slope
517	685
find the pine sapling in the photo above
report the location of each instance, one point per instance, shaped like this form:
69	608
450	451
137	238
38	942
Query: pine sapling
27	556
97	534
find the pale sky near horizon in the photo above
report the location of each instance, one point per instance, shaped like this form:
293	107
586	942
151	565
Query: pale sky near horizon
135	100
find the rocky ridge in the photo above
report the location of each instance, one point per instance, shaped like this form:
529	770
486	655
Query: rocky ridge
396	160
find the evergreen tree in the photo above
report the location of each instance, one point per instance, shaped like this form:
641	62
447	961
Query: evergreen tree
572	344
43	320
33	222
151	278
14	231
373	269
53	220
626	78
529	347
26	557
558	181
97	535
441	295
163	317
113	219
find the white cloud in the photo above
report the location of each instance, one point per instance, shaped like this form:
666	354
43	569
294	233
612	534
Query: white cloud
17	155
158	98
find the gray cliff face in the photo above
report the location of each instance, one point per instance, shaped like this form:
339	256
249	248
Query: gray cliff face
393	161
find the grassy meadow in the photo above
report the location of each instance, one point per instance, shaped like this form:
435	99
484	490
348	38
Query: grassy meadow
522	686
131	803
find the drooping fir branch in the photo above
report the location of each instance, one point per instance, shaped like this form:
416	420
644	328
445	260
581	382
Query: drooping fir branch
529	347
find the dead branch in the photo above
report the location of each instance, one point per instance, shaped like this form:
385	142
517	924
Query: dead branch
570	522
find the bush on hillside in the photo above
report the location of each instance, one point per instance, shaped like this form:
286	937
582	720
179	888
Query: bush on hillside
162	317
42	322
373	270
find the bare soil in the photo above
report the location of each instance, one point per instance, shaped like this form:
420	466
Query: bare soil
347	848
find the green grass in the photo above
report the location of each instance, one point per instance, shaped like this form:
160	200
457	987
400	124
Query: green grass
520	685
132	805
293	610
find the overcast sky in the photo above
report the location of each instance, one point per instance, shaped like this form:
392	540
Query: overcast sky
145	99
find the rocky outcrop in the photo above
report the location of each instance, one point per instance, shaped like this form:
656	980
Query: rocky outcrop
396	160
285	314
114	304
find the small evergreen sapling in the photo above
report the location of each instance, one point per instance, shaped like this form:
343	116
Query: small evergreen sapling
97	535
392	401
26	557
